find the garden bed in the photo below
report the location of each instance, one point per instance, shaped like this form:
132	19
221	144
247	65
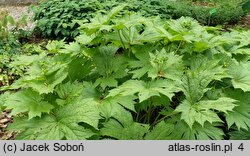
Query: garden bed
130	77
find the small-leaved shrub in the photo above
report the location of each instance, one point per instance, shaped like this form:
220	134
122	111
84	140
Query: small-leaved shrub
55	18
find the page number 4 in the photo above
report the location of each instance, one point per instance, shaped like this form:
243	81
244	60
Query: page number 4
241	147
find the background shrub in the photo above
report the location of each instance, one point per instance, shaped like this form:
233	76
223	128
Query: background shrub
55	18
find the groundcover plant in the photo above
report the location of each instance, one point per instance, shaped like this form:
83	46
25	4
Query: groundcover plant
134	78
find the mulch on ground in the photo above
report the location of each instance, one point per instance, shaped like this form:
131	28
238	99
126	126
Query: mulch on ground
5	120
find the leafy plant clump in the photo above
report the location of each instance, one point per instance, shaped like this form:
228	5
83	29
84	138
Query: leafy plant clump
206	13
10	34
135	78
57	18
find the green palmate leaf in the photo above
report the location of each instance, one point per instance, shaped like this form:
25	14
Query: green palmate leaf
152	35
192	86
191	115
54	46
167	65
63	124
68	92
101	22
89	91
158	64
123	116
223	104
142	65
104	58
240	116
208	67
240	135
125	37
109	65
145	90
48	128
185	29
87	111
28	101
73	48
185	25
123	127
45	84
130	20
85	39
111	105
179	130
201	46
135	131
161	131
237	39
24	60
203	111
198	132
127	31
154	31
42	76
240	74
104	82
84	67
196	80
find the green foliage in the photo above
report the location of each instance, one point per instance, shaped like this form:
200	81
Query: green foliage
240	135
21	102
58	18
240	116
131	77
246	5
8	41
10	45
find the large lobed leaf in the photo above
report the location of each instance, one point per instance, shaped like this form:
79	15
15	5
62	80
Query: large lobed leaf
28	101
145	90
62	124
123	127
240	115
240	74
204	110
